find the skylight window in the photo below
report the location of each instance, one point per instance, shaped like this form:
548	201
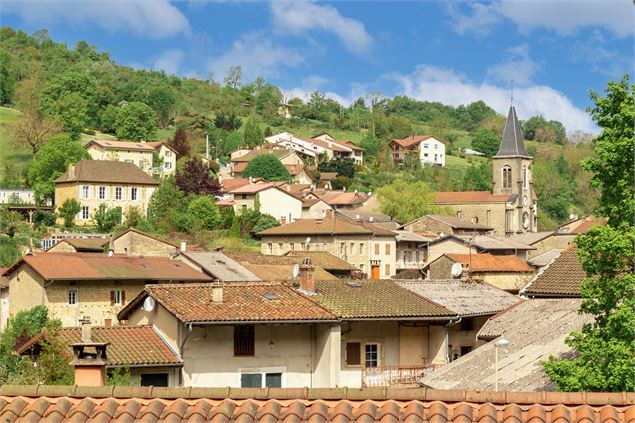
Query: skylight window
270	297
354	284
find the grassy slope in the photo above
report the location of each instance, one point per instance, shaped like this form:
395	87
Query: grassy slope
10	156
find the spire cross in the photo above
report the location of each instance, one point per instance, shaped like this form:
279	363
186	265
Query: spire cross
512	92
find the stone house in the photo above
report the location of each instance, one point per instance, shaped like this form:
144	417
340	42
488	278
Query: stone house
241	159
142	153
133	242
507	272
446	225
273	199
468	244
94	182
369	248
79	245
412	253
427	149
314	208
139	349
91	287
512	205
320	334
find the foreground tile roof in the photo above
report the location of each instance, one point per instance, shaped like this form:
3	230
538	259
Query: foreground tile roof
561	278
131	346
104	171
87	266
147	404
467	298
535	328
376	299
241	302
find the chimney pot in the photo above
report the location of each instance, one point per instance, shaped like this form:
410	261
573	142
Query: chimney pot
217	292
183	246
307	281
71	170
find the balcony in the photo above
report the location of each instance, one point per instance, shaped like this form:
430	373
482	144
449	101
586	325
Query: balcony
394	375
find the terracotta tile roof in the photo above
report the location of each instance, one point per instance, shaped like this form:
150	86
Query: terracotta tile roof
451	197
467	298
326	226
123	145
411	140
339	198
86	244
293	405
103	171
147	235
329	145
231	184
491	263
85	266
157	144
252	188
327	176
562	278
131	346
376	299
279	153
239	167
366	216
295	169
581	225
282	272
323	259
242	302
407	236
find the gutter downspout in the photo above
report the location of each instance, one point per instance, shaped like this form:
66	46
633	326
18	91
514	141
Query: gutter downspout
181	373
446	330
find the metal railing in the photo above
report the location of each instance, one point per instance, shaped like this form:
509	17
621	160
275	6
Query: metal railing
394	375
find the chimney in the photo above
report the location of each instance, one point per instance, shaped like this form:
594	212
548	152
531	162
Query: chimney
89	360
183	246
71	170
307	282
329	213
217	292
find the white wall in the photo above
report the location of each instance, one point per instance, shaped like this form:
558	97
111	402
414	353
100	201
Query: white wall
280	204
432	151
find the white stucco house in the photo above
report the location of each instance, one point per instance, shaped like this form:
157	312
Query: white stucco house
429	150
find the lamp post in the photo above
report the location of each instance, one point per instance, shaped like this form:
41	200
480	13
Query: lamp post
499	343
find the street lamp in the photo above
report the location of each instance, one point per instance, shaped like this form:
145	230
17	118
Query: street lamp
499	343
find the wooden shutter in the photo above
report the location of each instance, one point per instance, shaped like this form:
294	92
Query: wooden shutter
376	249
123	297
387	249
112	298
353	354
244	340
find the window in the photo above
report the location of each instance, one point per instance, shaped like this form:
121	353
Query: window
117	297
168	153
342	248
280	246
72	297
244	341
371	355
254	380
507	177
425	154
417	258
387	269
118	193
376	249
361	248
270	245
85	192
167	165
141	163
154	379
467	324
353	357
134	194
85	213
465	350
387	249
102	193
243	196
292	246
408	258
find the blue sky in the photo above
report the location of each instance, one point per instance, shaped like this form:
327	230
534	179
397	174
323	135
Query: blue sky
454	52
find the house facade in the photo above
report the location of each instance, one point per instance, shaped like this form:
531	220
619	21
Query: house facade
427	149
94	182
324	145
133	242
143	154
16	196
273	200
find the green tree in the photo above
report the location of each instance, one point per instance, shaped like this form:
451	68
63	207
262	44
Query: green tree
205	210
604	361
165	199
50	162
478	178
10	222
106	219
68	211
268	167
252	134
406	201
532	124
343	167
486	141
70	112
54	360
136	121
7	80
162	99
109	119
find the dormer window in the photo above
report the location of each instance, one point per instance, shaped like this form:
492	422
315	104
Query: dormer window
507	177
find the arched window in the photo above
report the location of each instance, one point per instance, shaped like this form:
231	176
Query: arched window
507	177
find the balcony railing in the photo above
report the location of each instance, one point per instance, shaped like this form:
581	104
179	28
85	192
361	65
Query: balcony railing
394	375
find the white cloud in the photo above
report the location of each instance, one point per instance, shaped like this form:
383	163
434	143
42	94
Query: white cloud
517	66
432	83
151	18
302	16
258	56
564	17
169	61
607	62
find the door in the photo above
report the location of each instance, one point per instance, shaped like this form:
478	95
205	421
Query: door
412	345
374	272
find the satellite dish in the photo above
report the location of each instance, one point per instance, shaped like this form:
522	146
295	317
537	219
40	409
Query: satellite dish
370	219
296	270
456	270
308	239
111	253
571	216
148	304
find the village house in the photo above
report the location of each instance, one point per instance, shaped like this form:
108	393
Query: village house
152	157
276	268
315	148
94	182
445	225
16	196
87	287
55	237
471	244
473	301
507	272
512	206
273	198
411	252
79	245
218	266
315	208
133	242
426	149
561	278
369	248
289	158
375	218
343	199
356	153
137	349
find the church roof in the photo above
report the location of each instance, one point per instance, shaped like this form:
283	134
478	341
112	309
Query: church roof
512	143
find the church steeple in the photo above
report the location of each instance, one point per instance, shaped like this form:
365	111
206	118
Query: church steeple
512	144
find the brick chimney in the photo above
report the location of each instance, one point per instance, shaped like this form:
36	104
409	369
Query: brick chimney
89	360
217	292
307	282
71	170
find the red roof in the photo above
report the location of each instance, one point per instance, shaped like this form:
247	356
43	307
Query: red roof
82	266
252	188
233	183
491	263
123	145
411	140
470	197
295	169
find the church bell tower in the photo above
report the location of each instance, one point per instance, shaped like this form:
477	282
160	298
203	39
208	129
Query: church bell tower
512	176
